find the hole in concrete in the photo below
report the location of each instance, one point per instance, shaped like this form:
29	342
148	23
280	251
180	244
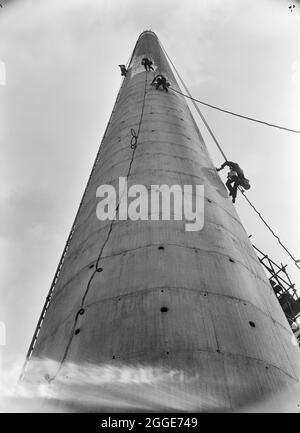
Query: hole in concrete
162	291
47	377
205	294
152	130
167	353
164	309
231	260
209	201
91	266
267	367
161	247
252	324
113	357
81	311
218	350
99	269
77	331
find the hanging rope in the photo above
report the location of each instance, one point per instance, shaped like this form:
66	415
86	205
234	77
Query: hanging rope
270	229
218	108
99	269
134	134
81	309
236	114
223	154
134	138
195	105
53	284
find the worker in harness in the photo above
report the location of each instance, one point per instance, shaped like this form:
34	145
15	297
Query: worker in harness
160	80
147	64
235	178
123	70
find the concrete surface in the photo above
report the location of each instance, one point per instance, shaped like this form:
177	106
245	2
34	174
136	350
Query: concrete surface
210	281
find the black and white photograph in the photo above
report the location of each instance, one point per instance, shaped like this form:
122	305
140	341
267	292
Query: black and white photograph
149	209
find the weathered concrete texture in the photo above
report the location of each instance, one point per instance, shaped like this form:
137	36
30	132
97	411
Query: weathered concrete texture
223	321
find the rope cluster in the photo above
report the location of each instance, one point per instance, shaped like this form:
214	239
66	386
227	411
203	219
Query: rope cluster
296	262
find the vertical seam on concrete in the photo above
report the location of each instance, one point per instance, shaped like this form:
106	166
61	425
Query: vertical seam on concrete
61	261
106	240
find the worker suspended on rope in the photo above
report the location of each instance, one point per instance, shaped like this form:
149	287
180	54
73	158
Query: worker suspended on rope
147	64
123	70
160	80
235	178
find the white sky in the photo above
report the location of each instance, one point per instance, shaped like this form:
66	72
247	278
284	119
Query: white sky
62	77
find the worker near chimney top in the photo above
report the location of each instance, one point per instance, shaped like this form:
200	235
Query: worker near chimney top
235	178
123	70
147	64
160	80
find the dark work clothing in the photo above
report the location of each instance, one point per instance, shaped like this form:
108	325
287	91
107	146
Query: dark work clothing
233	188
157	77
163	85
147	64
234	179
235	167
160	80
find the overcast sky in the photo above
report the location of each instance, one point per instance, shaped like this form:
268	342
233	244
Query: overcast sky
59	78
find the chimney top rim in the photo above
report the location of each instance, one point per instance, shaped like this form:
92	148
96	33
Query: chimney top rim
147	31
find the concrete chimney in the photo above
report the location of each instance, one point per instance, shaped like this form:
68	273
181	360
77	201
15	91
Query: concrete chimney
151	293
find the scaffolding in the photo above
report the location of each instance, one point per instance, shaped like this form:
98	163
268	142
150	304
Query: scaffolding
284	290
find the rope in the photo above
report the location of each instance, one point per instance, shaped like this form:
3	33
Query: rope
236	114
135	135
50	293
99	269
224	156
270	229
59	267
221	109
195	105
133	141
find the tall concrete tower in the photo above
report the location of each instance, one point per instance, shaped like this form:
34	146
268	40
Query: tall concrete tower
149	292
